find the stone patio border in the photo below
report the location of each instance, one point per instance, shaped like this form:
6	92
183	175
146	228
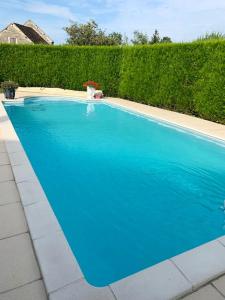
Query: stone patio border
170	279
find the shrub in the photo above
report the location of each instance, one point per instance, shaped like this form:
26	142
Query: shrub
188	77
9	85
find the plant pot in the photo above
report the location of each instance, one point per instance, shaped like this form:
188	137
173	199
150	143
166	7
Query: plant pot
98	95
90	92
9	93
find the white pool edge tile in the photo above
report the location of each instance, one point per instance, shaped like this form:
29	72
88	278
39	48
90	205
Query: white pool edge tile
161	281
29	178
57	262
202	264
41	211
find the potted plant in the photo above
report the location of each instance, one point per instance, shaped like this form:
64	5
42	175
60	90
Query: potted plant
9	89
91	87
98	95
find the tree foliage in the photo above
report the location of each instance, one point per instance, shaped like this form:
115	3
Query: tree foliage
166	39
155	39
90	34
140	38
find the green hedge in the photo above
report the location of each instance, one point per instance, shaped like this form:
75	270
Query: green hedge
61	66
209	90
188	77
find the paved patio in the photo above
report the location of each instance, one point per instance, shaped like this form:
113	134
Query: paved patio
20	277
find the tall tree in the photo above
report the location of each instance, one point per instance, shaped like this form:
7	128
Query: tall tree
115	38
166	39
155	39
90	34
139	38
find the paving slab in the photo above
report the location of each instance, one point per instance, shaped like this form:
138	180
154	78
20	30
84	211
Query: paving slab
24	173
2	147
12	220
81	290
206	293
8	192
41	211
56	261
18	261
202	264
13	145
6	173
31	192
160	282
18	158
220	284
31	291
4	159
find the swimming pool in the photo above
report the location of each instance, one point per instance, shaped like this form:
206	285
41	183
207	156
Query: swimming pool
128	191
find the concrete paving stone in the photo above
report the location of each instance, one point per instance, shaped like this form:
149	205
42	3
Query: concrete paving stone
206	293
24	173
57	262
160	282
4	159
81	290
220	284
30	291
6	173
8	192
14	144
2	147
12	220
41	211
18	158
202	264
18	262
31	192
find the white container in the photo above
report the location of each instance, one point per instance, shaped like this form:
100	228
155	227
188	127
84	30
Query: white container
90	92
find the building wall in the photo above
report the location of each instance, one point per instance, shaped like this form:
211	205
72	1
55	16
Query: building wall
12	32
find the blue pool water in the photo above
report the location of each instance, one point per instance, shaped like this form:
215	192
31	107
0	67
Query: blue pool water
128	191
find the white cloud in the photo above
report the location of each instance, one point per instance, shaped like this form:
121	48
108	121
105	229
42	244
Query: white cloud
183	20
49	9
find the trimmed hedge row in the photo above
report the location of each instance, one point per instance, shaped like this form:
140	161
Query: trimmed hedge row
61	66
188	78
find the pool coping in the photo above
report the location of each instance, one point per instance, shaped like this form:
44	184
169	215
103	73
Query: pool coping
170	279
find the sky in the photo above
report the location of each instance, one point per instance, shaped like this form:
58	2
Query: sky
182	20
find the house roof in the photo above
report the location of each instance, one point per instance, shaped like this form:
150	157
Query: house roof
31	34
30	23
